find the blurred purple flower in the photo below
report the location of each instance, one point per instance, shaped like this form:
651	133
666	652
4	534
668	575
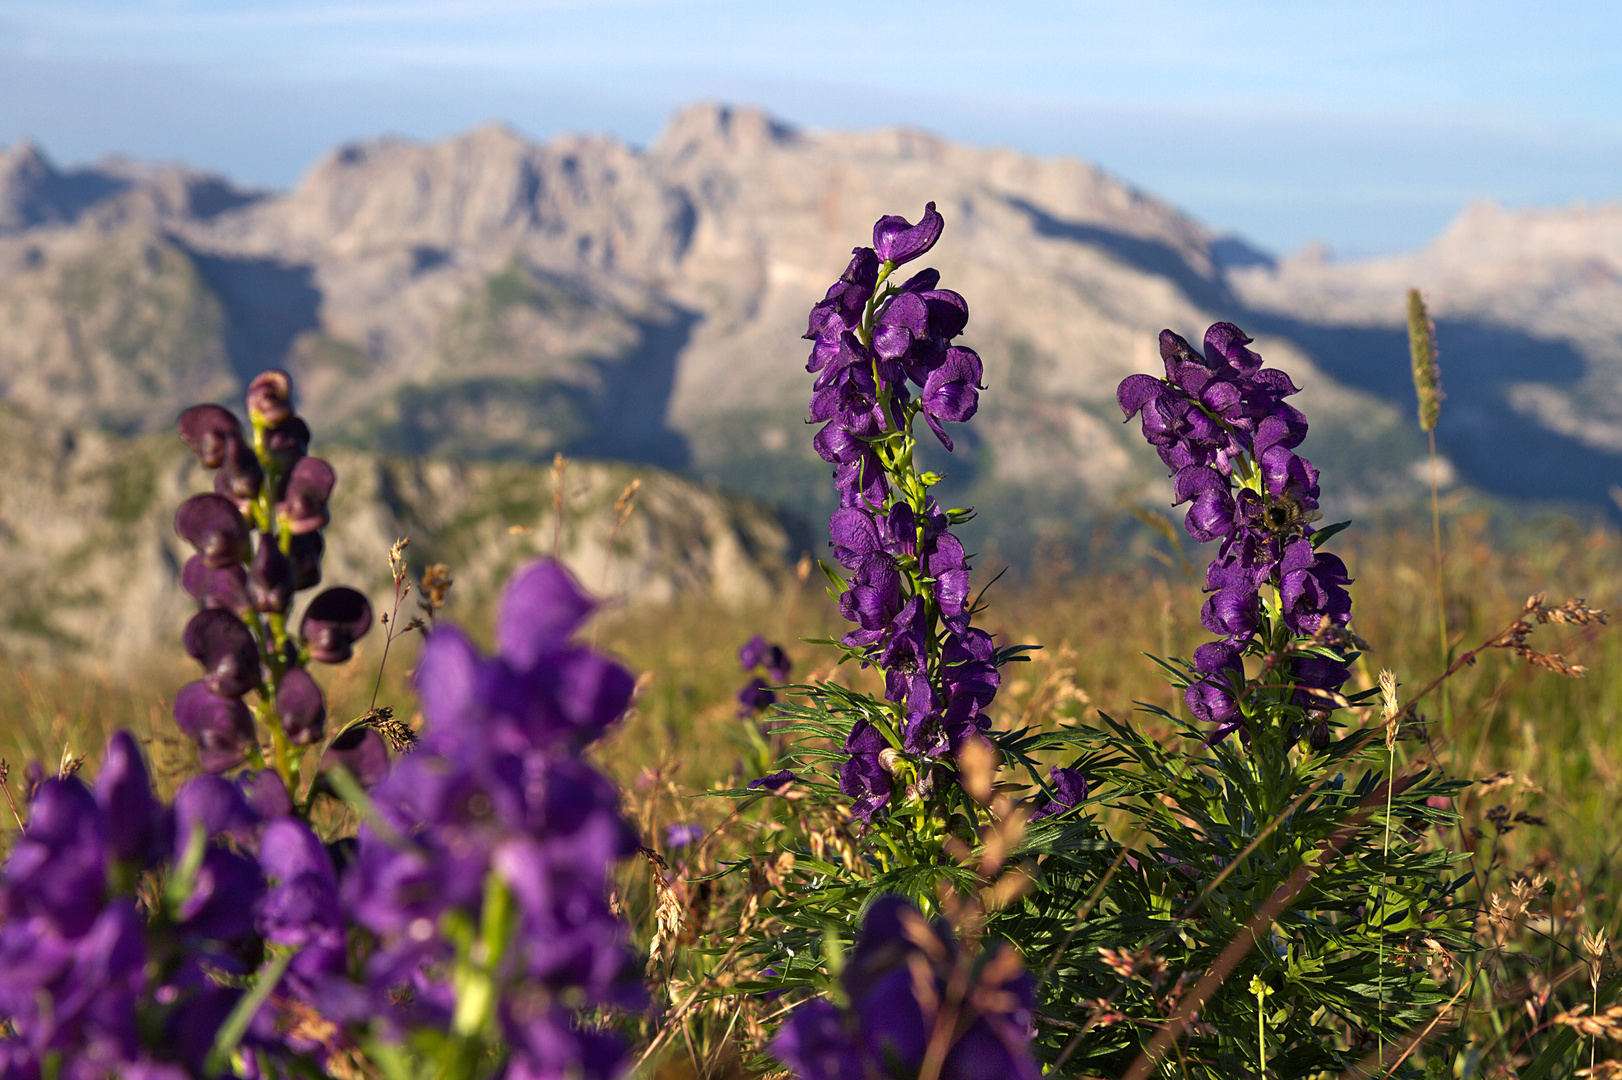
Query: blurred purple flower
680	836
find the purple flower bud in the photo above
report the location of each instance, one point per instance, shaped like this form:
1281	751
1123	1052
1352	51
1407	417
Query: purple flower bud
753	652
124	793
304	504
755	697
225	588
210	431
270	577
680	836
333	622
778	664
1069	789
241	475
362	751
287	442
897	241
221	726
226	649
214	805
305	554
301	707
777	781
213	526
266	794
269	397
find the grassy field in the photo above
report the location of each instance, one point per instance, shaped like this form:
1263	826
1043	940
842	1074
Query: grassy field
1561	735
1550	746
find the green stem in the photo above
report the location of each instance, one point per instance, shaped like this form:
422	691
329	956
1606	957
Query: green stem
1441	598
236	1024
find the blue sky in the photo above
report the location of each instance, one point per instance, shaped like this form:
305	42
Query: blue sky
1363	125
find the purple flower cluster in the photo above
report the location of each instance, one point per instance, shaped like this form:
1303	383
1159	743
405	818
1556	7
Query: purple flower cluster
491	858
882	355
1220	423
757	695
258	541
91	979
898	983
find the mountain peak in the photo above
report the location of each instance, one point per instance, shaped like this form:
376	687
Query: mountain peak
732	128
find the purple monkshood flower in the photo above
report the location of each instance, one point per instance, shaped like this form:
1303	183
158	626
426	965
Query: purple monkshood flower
74	975
881	360
897	982
1215	419
497	792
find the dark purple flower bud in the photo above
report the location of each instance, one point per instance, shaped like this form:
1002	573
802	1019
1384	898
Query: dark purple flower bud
304	504
753	652
680	836
215	528
1069	789
863	777
216	807
305	554
222	727
241	475
333	622
361	750
778	665
301	707
270	397
225	588
898	241
777	781
124	793
286	443
270	577
755	697
266	794
1137	392
225	647
211	432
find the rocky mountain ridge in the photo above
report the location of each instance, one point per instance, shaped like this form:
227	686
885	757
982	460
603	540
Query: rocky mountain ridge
488	298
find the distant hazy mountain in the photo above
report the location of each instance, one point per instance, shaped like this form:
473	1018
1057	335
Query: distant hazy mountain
492	298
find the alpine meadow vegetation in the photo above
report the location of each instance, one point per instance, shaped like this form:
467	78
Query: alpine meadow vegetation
1305	843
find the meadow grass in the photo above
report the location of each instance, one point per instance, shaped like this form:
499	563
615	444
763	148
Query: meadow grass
1556	738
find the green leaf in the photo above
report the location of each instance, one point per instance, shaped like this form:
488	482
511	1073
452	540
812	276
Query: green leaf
1320	536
